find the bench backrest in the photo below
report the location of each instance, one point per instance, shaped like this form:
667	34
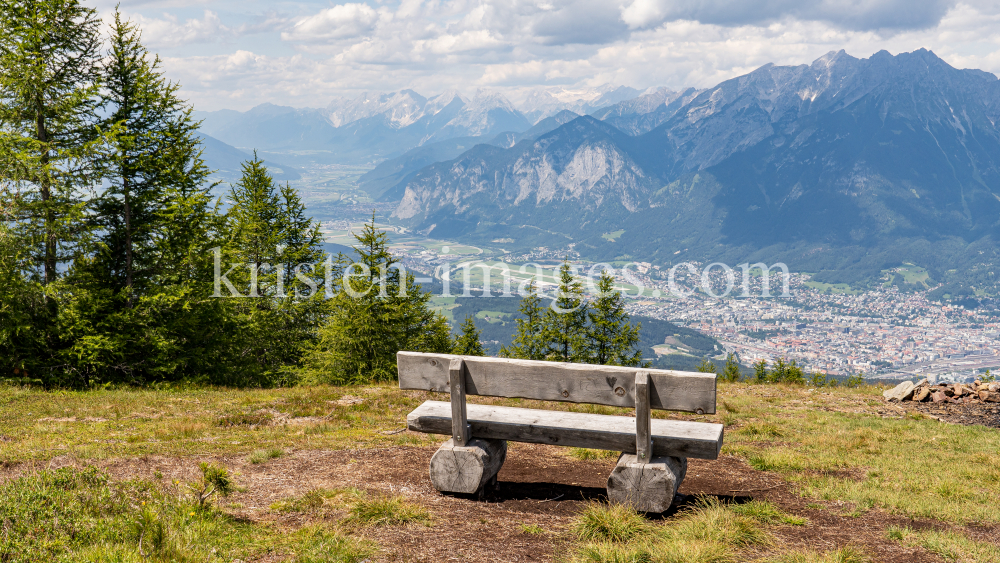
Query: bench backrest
613	386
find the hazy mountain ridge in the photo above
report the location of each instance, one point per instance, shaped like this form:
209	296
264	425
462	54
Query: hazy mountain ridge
375	126
371	127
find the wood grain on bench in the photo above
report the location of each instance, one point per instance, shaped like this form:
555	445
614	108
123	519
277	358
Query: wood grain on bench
550	381
617	433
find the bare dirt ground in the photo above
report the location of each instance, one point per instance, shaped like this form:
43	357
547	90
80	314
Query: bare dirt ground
985	414
539	486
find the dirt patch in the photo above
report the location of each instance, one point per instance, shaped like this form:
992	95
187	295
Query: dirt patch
983	414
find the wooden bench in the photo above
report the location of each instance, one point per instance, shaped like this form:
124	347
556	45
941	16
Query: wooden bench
654	452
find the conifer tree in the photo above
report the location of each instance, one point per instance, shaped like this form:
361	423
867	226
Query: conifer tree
49	69
528	342
270	237
731	372
468	343
154	158
706	366
612	340
564	325
760	374
794	374
779	372
377	312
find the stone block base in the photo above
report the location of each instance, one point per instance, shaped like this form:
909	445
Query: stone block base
646	487
467	469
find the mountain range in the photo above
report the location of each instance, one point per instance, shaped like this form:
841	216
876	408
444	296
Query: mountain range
843	167
376	126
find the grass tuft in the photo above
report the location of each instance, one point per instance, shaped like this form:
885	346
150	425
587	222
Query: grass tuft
949	545
261	456
532	529
589	454
318	545
386	511
764	511
848	554
760	430
609	523
258	418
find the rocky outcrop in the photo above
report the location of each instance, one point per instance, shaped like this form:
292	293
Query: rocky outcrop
922	391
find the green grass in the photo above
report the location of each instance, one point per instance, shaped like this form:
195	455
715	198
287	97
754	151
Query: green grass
949	545
316	544
386	510
82	515
711	532
613	236
846	554
532	529
265	455
36	425
589	454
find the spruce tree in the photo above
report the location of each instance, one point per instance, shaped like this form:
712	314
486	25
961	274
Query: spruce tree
731	372
377	312
154	156
528	342
706	366
269	237
612	340
760	374
49	70
564	324
779	372
468	343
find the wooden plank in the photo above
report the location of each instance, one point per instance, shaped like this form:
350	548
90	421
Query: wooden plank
643	443
554	381
617	433
460	425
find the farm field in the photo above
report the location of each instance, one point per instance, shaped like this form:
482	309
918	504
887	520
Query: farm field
330	474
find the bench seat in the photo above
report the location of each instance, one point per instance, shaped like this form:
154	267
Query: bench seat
676	438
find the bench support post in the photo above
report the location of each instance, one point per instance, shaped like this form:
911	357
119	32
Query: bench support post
643	430
646	486
469	469
459	419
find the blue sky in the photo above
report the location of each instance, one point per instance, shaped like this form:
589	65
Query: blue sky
230	54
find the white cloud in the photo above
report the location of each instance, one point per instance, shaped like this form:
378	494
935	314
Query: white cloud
168	31
339	22
436	45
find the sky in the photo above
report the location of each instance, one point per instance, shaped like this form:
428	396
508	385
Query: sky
236	55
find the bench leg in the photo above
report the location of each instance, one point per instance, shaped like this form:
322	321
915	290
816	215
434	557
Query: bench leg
467	469
646	487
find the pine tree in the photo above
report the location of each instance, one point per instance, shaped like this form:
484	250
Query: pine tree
760	374
300	243
153	158
255	225
269	238
706	366
731	372
612	340
794	374
377	312
528	342
468	343
779	373
564	325
49	69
